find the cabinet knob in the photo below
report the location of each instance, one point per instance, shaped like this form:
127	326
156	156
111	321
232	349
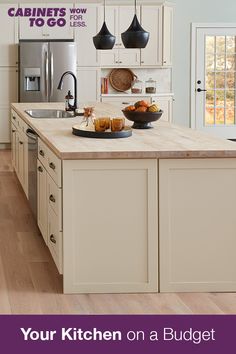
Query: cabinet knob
13	130
14	117
21	142
52	198
40	169
52	239
120	62
41	152
142	62
164	61
52	166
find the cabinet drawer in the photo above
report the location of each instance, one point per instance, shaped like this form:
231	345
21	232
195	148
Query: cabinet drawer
15	118
54	167
54	198
55	239
42	152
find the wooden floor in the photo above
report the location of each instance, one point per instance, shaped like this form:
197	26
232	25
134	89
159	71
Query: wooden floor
30	284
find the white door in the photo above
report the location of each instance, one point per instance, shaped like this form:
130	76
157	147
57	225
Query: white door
215	108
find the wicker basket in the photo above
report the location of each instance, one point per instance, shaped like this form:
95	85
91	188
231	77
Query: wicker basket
121	79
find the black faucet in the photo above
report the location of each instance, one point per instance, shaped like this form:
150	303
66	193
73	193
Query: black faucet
60	85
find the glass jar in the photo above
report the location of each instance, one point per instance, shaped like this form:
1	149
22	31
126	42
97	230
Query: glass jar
137	86
151	86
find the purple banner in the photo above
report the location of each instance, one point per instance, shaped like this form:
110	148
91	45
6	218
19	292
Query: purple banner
118	334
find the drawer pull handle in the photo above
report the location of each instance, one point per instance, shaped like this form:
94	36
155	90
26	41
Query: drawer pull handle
13	130
40	169
21	142
52	166
52	239
14	117
52	198
41	152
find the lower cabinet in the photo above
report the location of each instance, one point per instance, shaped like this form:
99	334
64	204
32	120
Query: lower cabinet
20	153
197	225
49	202
110	226
166	104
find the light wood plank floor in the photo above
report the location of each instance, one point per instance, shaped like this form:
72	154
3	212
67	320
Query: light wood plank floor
30	284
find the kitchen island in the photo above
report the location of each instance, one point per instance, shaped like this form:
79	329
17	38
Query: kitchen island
153	212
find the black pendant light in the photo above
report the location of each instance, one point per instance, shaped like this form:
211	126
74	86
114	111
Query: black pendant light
104	39
135	36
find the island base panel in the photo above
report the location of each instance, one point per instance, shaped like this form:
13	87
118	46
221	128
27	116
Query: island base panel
197	225
110	226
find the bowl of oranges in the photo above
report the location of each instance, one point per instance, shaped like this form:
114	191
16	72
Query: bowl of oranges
142	114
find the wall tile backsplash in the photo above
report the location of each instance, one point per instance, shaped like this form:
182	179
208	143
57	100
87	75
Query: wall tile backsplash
162	76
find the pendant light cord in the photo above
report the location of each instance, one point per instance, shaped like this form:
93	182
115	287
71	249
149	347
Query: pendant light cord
135	7
104	10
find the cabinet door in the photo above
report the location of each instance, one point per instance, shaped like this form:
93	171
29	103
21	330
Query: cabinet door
122	101
88	85
8	37
8	94
27	32
42	202
152	22
197	225
111	57
129	57
23	161
126	15
167	35
87	54
57	32
13	146
166	105
118	250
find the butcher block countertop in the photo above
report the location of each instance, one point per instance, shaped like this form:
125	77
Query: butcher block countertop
164	141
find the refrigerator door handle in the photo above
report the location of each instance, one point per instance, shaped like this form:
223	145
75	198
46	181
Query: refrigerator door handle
51	74
46	73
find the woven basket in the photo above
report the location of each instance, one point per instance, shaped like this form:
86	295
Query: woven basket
121	79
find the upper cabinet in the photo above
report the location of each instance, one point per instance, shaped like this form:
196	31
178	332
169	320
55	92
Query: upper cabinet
151	19
46	32
118	19
8	37
167	35
156	19
87	55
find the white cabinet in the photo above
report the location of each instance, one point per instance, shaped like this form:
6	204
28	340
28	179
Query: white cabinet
19	146
167	35
197	225
118	19
47	32
8	94
87	55
49	202
42	202
158	20
123	101
110	249
89	82
166	105
8	37
151	19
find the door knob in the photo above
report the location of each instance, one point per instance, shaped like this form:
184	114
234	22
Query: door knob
200	90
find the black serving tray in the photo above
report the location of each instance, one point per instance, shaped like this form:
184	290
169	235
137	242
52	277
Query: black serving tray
80	131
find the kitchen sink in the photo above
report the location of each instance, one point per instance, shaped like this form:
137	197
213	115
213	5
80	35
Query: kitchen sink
49	113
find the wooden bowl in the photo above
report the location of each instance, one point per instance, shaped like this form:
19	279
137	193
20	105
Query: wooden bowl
142	120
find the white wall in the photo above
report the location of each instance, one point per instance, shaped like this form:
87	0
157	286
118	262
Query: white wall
186	12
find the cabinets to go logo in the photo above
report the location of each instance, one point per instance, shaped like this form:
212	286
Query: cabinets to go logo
38	17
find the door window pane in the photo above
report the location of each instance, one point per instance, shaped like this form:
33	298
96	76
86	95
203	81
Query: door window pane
220	44
210	98
230	115
220	80
220	115
230	62
210	62
230	44
210	44
230	80
220	98
210	80
209	115
220	62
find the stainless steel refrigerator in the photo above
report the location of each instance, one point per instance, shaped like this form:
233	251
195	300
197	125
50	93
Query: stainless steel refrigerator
40	68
